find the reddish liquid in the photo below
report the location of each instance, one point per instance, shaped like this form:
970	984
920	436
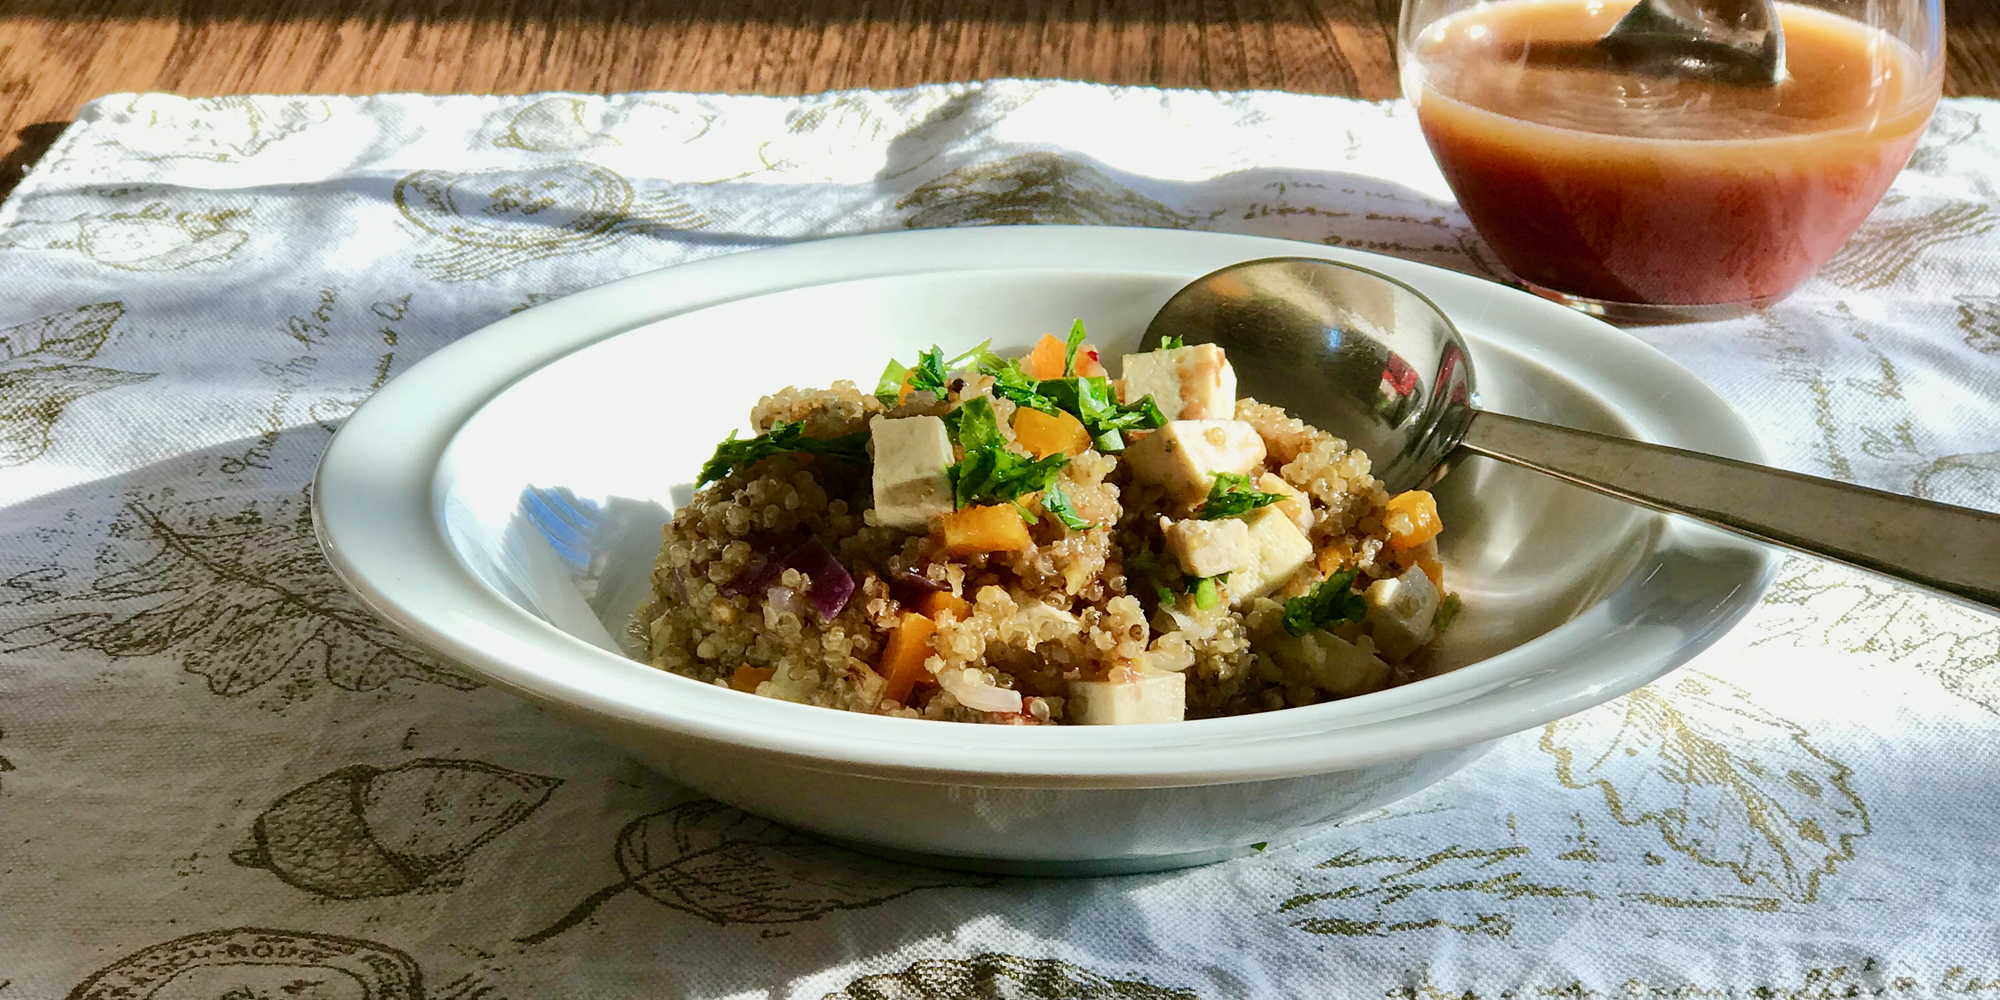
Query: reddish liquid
1600	183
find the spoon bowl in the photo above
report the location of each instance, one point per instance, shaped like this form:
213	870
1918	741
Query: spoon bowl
1366	356
1738	42
1342	346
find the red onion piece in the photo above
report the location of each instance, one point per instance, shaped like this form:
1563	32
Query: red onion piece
831	583
910	586
755	577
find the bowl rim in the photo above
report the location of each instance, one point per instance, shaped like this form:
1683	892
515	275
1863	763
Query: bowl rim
378	494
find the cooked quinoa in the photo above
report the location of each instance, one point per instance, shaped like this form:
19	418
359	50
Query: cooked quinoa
1020	541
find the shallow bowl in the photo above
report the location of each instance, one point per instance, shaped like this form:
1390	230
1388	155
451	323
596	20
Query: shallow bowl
501	502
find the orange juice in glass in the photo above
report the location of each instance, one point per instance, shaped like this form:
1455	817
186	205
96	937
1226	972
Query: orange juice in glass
1650	198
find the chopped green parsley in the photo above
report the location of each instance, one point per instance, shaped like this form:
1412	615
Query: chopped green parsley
1073	345
989	472
782	439
1203	589
1092	402
931	374
1057	502
1231	496
1331	602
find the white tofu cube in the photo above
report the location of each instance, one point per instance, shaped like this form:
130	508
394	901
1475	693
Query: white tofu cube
1336	666
1185	455
1153	696
1210	548
1295	504
1187	383
1400	612
1281	550
911	456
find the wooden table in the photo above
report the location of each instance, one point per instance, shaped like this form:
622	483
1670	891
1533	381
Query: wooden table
56	54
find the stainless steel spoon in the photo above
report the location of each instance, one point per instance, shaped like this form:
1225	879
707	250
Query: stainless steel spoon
1372	359
1730	41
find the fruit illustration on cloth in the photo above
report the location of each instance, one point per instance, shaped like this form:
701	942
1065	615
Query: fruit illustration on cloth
252	963
481	223
728	867
364	831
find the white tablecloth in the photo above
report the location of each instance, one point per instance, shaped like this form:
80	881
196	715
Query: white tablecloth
220	775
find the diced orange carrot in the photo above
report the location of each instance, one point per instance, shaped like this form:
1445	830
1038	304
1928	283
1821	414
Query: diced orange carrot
1046	360
903	393
997	528
747	677
1412	519
1088	364
938	601
903	657
1044	434
1334	558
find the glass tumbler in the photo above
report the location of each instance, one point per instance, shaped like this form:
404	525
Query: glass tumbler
1646	198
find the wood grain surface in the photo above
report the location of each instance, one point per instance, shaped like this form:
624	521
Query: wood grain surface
57	54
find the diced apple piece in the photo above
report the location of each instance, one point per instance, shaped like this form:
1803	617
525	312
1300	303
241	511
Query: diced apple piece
1281	550
911	456
1187	383
996	528
1295	504
1400	612
1337	666
1210	548
1143	696
1185	455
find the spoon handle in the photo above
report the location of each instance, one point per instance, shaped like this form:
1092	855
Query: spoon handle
1952	550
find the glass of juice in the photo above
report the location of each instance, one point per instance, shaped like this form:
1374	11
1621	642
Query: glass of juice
1647	198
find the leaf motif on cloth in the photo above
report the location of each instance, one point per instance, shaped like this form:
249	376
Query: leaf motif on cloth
218	129
156	237
484	222
256	963
1722	781
1950	126
553	124
1456	888
569	124
851	137
38	376
1899	233
76	335
1860	976
534	299
996	976
366	831
1815	604
729	867
1979	317
239	595
1969	475
1038	187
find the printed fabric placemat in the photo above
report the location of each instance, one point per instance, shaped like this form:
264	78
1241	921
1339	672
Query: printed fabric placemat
221	779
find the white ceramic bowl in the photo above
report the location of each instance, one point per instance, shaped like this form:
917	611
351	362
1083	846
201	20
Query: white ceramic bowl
427	505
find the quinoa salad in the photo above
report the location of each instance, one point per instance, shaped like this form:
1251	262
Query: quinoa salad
1028	541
